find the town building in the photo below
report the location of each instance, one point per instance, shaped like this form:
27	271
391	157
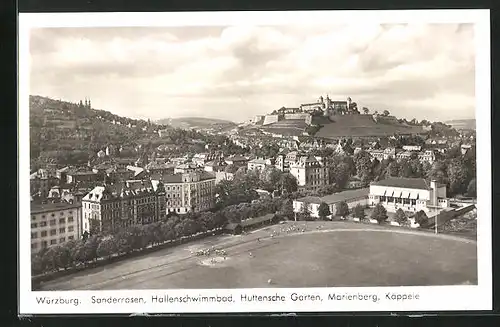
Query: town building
215	165
417	148
351	197
83	175
409	194
237	160
56	223
384	154
155	167
111	207
259	164
41	182
310	172
184	192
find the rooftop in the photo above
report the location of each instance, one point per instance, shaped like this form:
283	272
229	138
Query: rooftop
337	197
415	183
49	207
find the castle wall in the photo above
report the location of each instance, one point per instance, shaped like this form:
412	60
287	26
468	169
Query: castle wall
297	116
270	119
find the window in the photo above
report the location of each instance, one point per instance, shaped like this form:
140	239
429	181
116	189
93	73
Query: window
71	238
53	215
34	235
34	245
43	216
71	228
70	219
52	222
43	233
62	221
62	240
44	244
34	225
52	242
61	214
62	230
33	217
53	232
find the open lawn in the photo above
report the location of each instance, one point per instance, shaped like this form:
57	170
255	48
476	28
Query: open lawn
314	254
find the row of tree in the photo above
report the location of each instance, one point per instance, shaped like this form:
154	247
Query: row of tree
138	237
379	213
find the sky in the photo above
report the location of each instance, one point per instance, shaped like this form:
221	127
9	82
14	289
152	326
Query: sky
236	72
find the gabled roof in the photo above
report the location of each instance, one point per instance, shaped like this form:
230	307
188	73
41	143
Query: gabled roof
415	183
336	197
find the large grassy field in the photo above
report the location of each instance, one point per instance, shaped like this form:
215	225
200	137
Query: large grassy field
335	254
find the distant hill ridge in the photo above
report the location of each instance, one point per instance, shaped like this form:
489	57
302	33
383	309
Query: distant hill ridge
462	123
193	122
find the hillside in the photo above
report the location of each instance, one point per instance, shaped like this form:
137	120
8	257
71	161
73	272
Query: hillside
197	123
61	128
364	126
461	124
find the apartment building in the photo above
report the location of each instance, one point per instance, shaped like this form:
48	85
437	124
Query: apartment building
190	191
55	223
111	207
310	172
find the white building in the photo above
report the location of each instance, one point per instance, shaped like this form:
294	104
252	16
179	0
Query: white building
310	172
56	223
412	147
258	164
409	194
351	197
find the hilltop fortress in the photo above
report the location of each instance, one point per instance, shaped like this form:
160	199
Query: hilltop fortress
322	107
327	118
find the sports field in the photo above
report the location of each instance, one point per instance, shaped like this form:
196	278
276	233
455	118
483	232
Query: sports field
313	254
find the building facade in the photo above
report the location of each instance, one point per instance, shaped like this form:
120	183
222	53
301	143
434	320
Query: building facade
55	223
310	172
351	197
111	207
408	194
192	191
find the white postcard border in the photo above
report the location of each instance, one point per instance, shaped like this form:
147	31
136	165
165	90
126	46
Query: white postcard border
442	298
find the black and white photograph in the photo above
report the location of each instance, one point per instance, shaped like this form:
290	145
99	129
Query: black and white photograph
325	158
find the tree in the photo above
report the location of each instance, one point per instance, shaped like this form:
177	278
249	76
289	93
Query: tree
342	209
363	163
458	176
386	113
64	254
379	213
270	178
339	174
400	217
393	169
359	211
305	211
49	259
439	172
90	248
366	110
287	209
107	247
289	183
421	218
324	210
471	188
